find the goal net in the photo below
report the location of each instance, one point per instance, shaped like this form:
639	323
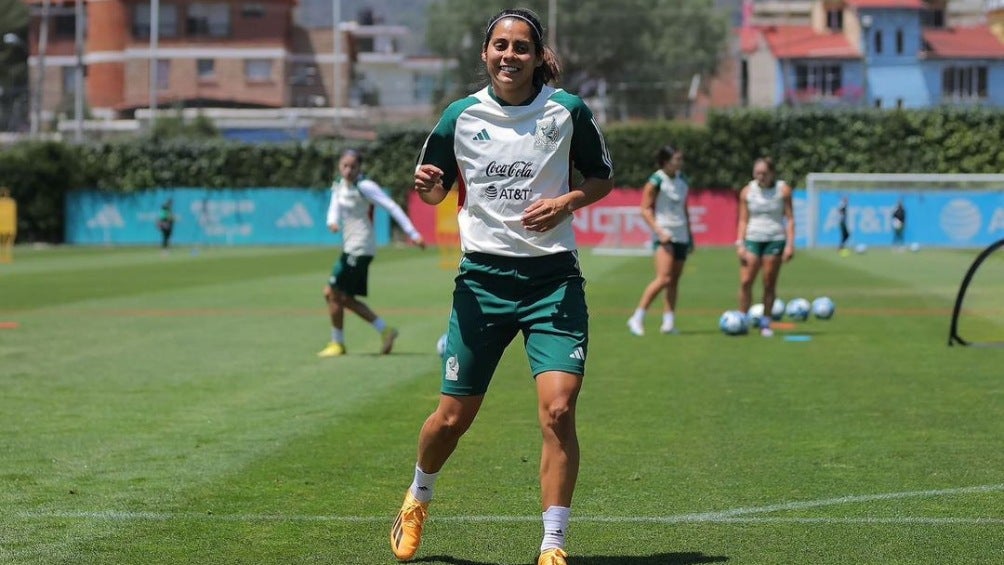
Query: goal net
946	210
978	315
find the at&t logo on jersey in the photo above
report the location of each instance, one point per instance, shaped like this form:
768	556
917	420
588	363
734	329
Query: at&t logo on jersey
493	192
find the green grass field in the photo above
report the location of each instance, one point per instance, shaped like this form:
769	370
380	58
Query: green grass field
171	409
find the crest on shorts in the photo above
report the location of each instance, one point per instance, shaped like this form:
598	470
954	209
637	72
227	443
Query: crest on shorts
545	136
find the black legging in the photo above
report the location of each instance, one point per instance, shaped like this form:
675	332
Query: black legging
165	236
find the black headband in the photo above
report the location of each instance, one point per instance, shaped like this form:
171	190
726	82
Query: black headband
536	29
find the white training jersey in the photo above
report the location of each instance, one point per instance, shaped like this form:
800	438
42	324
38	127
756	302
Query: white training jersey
766	212
505	157
671	204
351	209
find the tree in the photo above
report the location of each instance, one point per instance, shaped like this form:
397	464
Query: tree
644	52
14	94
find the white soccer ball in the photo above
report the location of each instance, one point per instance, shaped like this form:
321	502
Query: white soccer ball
823	308
441	345
798	309
733	322
754	315
915	247
777	312
860	248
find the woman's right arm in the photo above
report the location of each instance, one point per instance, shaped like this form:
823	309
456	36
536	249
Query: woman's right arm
429	184
648	194
744	217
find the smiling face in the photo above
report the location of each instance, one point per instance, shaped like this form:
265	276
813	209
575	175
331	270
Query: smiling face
511	58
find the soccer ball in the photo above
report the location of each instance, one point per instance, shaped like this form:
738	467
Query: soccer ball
915	247
733	322
823	307
777	312
754	315
441	345
798	309
860	248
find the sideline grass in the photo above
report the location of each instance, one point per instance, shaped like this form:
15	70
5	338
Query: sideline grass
171	410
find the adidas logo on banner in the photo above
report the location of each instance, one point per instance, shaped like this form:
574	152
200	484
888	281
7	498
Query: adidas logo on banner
107	217
578	353
296	217
482	135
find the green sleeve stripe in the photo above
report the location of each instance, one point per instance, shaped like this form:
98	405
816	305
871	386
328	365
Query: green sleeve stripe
589	150
439	146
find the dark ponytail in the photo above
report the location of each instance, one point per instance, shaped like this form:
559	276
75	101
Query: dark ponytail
664	154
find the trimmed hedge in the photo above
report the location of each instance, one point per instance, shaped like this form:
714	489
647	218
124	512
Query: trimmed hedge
719	154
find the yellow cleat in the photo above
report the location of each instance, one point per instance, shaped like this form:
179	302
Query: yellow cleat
554	556
406	534
333	349
388	335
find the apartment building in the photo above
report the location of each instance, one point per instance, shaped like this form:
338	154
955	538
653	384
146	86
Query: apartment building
878	53
235	54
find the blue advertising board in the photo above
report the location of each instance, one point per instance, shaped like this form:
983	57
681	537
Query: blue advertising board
943	218
253	216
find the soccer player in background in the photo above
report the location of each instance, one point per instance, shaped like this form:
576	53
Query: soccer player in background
509	147
353	197
765	236
165	223
845	232
664	208
898	225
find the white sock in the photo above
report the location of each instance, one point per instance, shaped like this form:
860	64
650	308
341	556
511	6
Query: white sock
379	324
639	315
667	319
337	335
555	527
422	485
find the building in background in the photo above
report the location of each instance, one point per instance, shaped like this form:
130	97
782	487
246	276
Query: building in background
270	69
248	65
879	53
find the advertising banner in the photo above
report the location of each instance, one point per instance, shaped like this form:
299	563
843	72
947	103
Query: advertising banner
947	218
259	216
615	221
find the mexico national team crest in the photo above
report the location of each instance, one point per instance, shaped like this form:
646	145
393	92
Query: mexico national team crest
545	137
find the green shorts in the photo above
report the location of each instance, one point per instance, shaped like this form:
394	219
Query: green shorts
678	251
351	274
766	248
495	298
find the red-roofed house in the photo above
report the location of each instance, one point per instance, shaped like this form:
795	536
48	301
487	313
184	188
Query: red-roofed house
882	53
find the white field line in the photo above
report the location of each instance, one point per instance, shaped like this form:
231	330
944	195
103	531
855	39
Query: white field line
735	515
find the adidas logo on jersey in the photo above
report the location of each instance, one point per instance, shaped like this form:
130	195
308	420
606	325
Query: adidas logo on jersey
482	136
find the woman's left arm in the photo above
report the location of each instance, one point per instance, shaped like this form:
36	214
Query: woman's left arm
789	228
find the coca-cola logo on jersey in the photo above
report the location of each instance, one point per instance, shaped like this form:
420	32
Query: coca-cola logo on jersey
517	169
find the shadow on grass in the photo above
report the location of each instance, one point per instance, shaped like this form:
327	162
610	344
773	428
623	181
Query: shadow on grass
683	558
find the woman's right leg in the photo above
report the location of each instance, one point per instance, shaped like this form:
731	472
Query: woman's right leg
437	440
747	274
443	428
